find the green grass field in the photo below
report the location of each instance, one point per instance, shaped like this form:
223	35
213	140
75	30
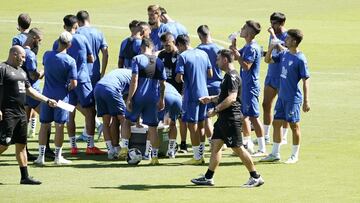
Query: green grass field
329	156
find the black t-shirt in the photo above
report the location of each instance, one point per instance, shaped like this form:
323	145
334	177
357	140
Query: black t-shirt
231	83
169	60
13	84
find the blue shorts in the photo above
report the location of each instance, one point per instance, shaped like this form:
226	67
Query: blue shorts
148	111
287	111
250	105
32	103
94	79
213	90
172	106
49	114
193	112
108	101
82	94
273	82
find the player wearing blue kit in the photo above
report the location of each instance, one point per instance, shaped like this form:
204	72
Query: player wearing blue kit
193	68
157	28
130	46
110	105
175	27
24	22
272	81
249	58
145	97
60	78
293	69
213	84
172	107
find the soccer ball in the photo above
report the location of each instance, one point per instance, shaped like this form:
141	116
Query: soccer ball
134	156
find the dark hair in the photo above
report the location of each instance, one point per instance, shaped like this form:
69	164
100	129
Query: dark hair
34	32
203	30
133	24
24	21
147	43
255	26
182	39
154	8
163	10
226	53
82	16
166	36
278	17
296	34
70	20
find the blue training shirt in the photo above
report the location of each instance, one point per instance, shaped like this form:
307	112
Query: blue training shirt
194	65
293	69
97	42
136	50
29	66
148	82
156	34
251	53
117	80
19	39
80	49
274	69
212	49
59	69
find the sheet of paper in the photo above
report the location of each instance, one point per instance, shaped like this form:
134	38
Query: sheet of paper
65	106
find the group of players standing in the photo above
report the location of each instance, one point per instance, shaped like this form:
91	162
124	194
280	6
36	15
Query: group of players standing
159	73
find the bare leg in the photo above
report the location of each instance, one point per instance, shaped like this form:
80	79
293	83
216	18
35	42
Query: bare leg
216	153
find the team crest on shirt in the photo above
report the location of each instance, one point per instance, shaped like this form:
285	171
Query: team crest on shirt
173	59
290	63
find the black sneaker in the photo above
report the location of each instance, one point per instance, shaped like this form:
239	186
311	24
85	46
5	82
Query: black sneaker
29	181
183	148
31	157
203	181
49	154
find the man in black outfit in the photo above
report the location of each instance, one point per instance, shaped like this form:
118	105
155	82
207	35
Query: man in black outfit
227	128
14	86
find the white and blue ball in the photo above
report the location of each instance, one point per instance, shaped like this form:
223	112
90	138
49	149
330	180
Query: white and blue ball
134	156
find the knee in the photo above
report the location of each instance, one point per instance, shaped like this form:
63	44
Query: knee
294	126
277	123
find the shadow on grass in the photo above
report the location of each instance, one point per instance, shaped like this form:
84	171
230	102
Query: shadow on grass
157	187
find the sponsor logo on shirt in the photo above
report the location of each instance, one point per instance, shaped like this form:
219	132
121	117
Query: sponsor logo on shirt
283	72
21	85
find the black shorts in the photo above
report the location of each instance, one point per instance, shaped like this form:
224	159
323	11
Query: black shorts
229	131
13	130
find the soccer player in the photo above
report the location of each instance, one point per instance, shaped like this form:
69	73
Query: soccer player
145	97
24	22
175	27
293	69
213	84
13	122
157	28
249	58
97	43
60	78
272	81
131	46
169	57
227	128
193	68
110	104
172	107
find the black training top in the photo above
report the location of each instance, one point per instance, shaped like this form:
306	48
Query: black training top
13	84
231	83
169	60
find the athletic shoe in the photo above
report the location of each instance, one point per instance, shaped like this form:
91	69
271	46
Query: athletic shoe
146	157
203	181
112	155
40	161
253	182
183	149
292	160
271	158
154	161
259	154
81	138
94	151
74	151
49	154
171	154
193	162
100	129
123	153
29	181
61	160
31	157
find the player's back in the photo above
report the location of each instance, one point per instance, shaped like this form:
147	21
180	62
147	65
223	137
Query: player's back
19	39
212	49
118	80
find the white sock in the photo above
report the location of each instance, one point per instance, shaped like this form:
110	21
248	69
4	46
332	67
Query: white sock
246	139
33	124
72	140
284	133
58	151
90	141
201	149
172	144
42	151
124	143
84	130
261	142
196	152
97	122
154	152
267	131
276	149
295	150
109	146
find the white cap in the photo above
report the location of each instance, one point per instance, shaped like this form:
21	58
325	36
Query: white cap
65	37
